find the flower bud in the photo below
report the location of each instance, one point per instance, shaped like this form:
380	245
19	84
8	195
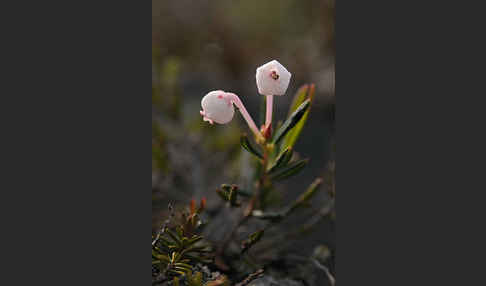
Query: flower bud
272	78
218	107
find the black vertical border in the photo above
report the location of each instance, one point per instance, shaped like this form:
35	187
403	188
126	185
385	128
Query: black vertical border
409	150
76	129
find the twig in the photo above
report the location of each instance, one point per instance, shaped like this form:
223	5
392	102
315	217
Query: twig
245	217
325	269
251	277
164	225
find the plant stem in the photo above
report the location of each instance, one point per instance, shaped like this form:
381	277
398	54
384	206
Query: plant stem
232	234
236	100
268	117
263	180
256	201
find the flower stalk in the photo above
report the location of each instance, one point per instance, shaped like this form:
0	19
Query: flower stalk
268	117
241	107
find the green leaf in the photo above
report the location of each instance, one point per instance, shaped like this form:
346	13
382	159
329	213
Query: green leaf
282	160
294	118
305	92
229	193
180	232
307	195
174	237
271	216
226	187
233	195
194	239
161	257
244	193
245	143
197	279
183	269
185	265
177	272
299	97
163	241
254	238
223	194
291	169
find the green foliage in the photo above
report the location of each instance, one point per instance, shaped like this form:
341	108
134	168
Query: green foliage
306	196
229	193
293	119
274	166
290	170
194	279
252	239
282	160
270	216
177	249
306	92
245	143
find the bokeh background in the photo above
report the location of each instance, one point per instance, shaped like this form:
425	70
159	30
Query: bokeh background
200	46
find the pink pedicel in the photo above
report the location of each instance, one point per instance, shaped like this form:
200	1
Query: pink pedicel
268	116
236	100
214	111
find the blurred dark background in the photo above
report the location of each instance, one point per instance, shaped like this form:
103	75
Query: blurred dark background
200	46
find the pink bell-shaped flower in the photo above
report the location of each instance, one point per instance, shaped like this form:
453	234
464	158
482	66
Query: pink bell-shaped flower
272	78
217	107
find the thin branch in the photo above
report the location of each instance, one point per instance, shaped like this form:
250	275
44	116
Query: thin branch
326	270
251	277
164	225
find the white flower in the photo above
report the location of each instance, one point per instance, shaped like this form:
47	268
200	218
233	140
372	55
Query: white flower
272	78
218	107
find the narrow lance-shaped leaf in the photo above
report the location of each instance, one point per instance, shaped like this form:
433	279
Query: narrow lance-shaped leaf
174	238
271	216
294	118
184	265
194	239
306	196
233	195
293	135
276	147
282	160
291	169
254	238
226	187
177	272
241	192
182	269
229	193
299	97
222	194
245	143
